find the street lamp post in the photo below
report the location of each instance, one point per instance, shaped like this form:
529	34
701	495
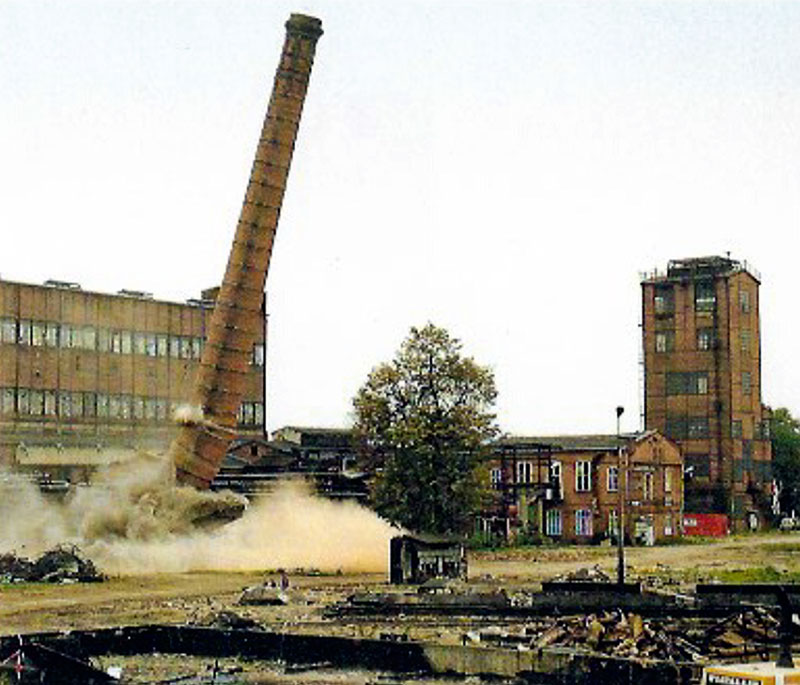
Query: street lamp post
621	512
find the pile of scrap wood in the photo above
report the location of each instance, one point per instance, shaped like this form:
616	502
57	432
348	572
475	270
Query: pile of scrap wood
59	565
746	633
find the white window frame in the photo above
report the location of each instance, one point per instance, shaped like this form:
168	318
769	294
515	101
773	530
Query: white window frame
612	479
583	476
648	485
583	522
553	523
555	477
524	472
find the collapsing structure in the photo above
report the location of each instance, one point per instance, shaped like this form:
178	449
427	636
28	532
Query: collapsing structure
201	444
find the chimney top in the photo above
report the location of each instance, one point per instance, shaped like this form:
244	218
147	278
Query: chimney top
304	25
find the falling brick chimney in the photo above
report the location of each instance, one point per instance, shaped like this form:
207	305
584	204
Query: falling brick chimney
200	446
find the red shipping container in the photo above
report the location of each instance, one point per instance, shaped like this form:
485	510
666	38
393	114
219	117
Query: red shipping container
705	525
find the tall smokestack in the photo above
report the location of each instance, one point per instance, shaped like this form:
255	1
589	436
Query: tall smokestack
200	446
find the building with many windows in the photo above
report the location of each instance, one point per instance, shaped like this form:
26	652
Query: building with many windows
87	378
702	382
573	487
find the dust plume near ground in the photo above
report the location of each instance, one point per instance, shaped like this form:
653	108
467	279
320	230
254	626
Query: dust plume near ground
132	520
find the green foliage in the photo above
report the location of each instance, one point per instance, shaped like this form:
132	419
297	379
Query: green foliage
423	421
786	457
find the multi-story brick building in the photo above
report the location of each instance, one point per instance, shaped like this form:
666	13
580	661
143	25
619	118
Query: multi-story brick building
88	377
568	487
702	373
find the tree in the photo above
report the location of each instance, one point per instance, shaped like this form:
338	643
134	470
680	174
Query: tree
786	457
423	421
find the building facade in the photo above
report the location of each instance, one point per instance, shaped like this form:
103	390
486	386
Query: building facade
87	378
702	382
572	488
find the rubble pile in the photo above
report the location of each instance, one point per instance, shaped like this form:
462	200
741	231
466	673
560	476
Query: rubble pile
753	631
59	565
587	574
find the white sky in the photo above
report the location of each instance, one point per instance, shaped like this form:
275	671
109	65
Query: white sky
505	169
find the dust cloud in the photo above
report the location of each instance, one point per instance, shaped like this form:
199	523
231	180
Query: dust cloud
132	520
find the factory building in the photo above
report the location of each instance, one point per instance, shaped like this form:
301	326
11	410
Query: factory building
572	488
702	382
87	378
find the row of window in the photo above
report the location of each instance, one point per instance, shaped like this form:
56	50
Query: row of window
705	339
705	298
65	404
54	334
583	478
584	523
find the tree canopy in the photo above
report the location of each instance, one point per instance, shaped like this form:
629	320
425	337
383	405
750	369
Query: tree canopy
423	421
786	457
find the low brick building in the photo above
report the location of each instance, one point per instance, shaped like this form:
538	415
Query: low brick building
568	487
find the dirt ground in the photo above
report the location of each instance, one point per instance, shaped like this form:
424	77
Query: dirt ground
193	597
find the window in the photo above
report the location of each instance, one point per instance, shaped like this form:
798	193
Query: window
162	345
612	479
36	402
687	383
555	479
647	485
64	404
704	296
88	338
138	407
583	522
8	330
552	523
150	345
150	409
24	332
67	337
140	343
103	340
51	335
116	342
524	472
161	409
247	413
258	354
23	401
744	341
102	405
663	300
127	342
89	404
37	333
744	301
175	347
746	382
667	480
583	476
668	529
705	338
197	348
613	522
763	430
50	402
7	400
665	341
258	413
496	477
125	408
186	348
697	427
113	406
77	404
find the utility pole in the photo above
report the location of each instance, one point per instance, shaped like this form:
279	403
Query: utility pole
621	512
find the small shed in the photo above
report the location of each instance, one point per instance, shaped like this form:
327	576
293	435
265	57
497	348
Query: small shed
414	559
